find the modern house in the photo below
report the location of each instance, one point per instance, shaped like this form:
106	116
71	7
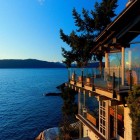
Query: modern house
102	109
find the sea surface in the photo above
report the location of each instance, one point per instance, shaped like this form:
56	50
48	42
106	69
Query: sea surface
24	111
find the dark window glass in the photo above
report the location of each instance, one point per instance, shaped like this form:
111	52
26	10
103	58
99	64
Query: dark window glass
103	104
104	113
103	132
101	112
103	122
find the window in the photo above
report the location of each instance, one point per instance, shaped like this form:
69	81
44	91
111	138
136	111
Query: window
102	118
120	121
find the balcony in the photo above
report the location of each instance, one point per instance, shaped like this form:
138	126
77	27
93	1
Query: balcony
109	83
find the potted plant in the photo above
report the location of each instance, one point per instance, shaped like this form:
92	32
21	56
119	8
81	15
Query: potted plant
89	79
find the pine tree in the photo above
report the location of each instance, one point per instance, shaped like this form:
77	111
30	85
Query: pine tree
133	102
89	25
80	49
103	13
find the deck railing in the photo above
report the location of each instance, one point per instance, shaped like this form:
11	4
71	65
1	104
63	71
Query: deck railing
110	78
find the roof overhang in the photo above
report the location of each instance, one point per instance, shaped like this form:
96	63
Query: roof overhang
123	29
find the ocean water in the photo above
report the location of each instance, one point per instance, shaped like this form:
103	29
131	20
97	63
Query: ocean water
24	111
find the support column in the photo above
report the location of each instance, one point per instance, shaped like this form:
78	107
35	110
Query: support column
79	103
123	65
129	59
100	115
106	60
106	66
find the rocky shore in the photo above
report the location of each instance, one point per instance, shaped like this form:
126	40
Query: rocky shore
54	133
49	134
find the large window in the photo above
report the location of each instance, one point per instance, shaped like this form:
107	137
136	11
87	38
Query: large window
120	121
89	108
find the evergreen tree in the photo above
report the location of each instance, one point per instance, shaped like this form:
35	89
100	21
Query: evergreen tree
103	13
69	110
97	20
133	102
80	49
89	25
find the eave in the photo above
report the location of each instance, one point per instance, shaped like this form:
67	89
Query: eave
124	28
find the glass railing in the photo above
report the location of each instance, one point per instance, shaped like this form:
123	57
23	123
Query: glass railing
89	109
112	78
109	78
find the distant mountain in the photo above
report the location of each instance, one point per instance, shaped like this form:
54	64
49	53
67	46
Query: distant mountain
29	63
91	65
95	64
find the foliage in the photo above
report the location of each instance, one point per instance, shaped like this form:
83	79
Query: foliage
69	110
68	131
70	106
133	101
69	57
80	49
89	26
103	13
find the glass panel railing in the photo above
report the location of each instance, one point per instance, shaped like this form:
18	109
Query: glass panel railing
87	72
89	109
132	77
75	73
110	78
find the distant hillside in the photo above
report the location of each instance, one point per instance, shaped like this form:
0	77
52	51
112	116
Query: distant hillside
91	65
29	63
95	65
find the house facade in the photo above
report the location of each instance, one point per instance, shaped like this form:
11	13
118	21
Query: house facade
102	110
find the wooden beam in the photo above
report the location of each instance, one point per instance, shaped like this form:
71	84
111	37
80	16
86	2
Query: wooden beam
101	98
114	102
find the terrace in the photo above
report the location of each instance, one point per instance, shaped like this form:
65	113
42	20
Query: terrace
108	84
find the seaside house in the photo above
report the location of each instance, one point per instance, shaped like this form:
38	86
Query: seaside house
102	110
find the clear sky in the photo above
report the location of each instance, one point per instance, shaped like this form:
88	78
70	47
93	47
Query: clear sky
30	28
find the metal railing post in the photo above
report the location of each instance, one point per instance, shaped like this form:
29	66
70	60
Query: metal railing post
114	94
119	79
130	72
74	77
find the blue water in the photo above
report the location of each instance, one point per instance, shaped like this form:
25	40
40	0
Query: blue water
24	111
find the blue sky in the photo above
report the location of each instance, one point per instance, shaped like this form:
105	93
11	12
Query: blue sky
30	28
